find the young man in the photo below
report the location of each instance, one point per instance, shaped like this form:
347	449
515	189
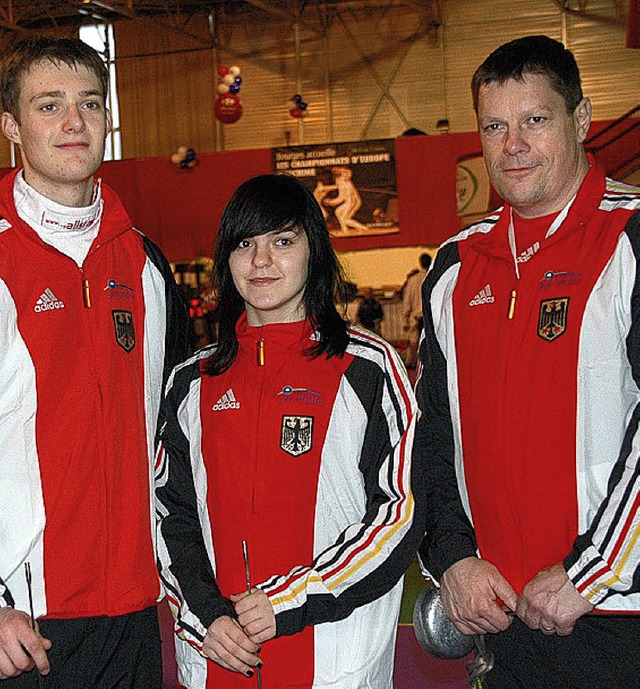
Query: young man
90	324
530	396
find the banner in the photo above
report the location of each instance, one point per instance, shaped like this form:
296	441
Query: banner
354	183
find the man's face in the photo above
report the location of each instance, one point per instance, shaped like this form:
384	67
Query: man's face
532	146
61	131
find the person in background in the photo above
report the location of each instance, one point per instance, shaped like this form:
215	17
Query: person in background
90	326
413	131
370	313
293	435
529	392
349	303
412	309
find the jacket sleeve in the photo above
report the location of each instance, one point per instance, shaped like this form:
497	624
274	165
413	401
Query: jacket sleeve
368	557
6	599
449	535
184	559
606	558
177	345
12	383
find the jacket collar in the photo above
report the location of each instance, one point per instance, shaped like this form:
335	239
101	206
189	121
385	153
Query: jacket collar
584	205
115	220
281	338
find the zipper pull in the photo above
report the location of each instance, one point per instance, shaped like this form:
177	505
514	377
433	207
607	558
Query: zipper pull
512	304
260	352
86	294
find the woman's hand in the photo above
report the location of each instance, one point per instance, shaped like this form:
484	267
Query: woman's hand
228	645
255	615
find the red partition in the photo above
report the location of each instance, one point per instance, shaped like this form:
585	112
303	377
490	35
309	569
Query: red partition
180	209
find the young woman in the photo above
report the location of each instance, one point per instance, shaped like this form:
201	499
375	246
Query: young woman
291	435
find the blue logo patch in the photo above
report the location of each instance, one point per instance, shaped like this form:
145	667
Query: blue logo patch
564	278
301	395
117	289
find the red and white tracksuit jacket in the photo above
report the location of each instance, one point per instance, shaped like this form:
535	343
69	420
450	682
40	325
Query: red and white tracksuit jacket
308	460
83	356
529	423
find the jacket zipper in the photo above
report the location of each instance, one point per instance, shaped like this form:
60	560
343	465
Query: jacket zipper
260	362
260	352
86	293
512	304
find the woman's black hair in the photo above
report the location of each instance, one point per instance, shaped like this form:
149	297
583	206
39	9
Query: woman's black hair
263	204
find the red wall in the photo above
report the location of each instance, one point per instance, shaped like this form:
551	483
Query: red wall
180	209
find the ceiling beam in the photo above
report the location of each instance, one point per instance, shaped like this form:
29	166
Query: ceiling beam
129	13
283	14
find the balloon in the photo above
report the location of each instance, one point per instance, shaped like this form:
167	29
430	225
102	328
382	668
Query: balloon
234	88
302	105
184	157
222	89
223	71
235	70
228	79
227	108
296	112
238	80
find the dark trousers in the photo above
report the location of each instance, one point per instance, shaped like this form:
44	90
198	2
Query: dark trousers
99	653
603	652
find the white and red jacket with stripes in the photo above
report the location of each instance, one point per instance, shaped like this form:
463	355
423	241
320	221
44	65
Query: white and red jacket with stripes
309	461
83	356
530	398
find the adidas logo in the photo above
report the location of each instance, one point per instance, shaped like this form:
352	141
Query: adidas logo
484	296
528	253
227	401
48	302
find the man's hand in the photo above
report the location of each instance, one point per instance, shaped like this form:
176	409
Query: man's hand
255	615
226	644
21	649
551	603
470	590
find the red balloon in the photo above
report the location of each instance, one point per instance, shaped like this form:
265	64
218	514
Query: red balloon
223	71
227	108
296	112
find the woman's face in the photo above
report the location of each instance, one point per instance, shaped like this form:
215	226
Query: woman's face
270	273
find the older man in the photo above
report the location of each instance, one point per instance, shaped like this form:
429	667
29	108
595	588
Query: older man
530	392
